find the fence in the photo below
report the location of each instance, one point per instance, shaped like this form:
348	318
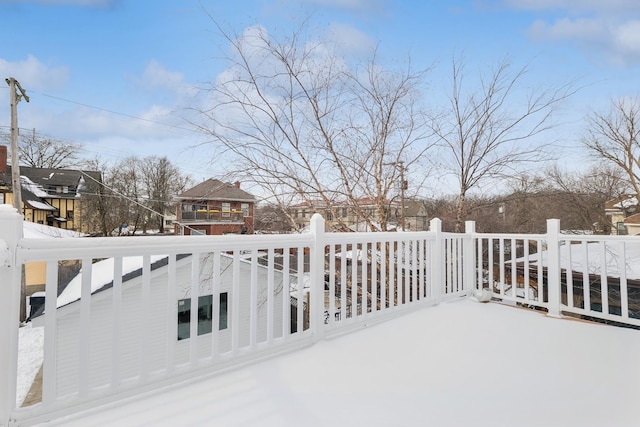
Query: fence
152	311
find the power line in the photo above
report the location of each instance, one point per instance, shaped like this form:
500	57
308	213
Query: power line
117	194
93	107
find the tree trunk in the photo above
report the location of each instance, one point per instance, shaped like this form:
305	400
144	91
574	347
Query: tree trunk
460	211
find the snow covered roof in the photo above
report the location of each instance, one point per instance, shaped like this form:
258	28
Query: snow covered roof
364	226
101	276
40	231
39	205
31	186
573	258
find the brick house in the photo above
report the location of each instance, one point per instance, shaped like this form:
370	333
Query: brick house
214	207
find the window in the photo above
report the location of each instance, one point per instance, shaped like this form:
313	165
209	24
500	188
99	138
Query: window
205	315
222	317
70	215
195	232
184	318
226	210
245	209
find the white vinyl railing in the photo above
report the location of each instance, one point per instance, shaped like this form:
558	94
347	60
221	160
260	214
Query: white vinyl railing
586	276
145	312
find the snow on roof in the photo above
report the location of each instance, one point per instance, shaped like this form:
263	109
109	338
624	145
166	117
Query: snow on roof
364	226
40	205
627	203
40	231
101	275
29	185
612	251
455	364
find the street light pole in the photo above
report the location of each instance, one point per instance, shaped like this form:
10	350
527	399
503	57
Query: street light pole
403	186
14	98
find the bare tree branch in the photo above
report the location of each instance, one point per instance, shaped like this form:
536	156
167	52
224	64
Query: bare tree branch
488	132
308	128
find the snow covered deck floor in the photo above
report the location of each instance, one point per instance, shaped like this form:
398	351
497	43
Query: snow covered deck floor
456	364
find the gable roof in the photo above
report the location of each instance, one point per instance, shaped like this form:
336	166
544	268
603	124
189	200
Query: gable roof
620	203
633	219
214	189
42	182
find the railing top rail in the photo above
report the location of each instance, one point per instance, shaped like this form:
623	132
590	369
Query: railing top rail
598	238
561	236
509	236
381	236
104	247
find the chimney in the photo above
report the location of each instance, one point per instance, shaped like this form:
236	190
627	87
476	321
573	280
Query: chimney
237	183
3	159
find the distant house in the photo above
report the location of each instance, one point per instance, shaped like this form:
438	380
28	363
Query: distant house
624	215
214	207
343	212
415	215
50	197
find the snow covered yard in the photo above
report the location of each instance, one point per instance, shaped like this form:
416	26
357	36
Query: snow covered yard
30	340
455	364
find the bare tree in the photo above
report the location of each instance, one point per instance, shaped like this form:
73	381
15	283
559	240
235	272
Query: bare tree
43	152
307	127
162	181
98	202
271	218
488	132
613	137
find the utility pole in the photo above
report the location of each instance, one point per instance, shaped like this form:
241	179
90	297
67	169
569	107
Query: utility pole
14	86
403	186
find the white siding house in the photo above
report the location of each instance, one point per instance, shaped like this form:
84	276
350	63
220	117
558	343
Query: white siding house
225	284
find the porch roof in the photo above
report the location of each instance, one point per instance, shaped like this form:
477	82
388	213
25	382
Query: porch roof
455	364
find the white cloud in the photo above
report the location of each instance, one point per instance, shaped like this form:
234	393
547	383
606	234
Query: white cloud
364	5
583	29
155	75
607	29
578	6
350	40
626	38
33	74
84	3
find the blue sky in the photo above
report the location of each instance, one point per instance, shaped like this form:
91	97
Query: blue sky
117	75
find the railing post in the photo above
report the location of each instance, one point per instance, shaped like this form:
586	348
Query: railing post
316	270
469	258
554	288
436	263
10	233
